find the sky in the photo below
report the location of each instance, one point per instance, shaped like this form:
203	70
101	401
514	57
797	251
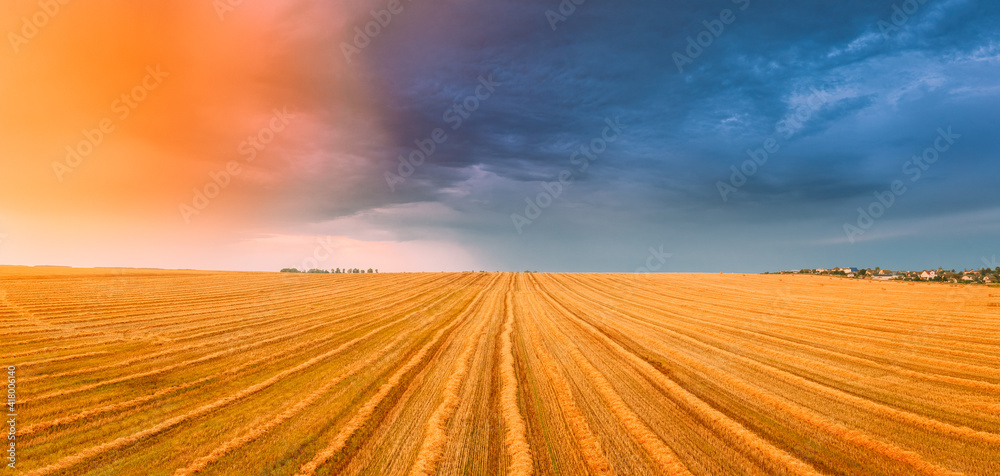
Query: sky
664	136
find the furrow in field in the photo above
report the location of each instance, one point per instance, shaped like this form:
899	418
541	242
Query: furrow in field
310	344
436	433
64	347
795	411
766	453
273	422
56	338
361	417
63	358
358	296
807	315
590	447
824	320
515	438
230	338
171	367
657	449
700	327
70	461
945	428
281	336
208	316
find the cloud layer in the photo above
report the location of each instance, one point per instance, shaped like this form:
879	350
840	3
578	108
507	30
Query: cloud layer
839	96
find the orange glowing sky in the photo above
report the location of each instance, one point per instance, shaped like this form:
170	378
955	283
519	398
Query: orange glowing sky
224	73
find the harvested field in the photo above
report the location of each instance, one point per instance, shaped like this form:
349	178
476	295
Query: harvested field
191	372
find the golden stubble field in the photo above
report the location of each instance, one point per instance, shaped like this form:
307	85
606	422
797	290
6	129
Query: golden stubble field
185	372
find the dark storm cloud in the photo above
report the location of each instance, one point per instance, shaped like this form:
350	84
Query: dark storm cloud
885	91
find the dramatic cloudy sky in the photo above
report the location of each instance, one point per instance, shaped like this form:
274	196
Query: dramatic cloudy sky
844	93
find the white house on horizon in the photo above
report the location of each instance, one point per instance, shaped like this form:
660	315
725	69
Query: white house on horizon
928	274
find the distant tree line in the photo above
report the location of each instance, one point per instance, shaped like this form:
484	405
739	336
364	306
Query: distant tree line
336	270
971	276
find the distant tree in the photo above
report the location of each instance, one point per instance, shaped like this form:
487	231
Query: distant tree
356	270
376	270
318	271
290	270
336	270
370	270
